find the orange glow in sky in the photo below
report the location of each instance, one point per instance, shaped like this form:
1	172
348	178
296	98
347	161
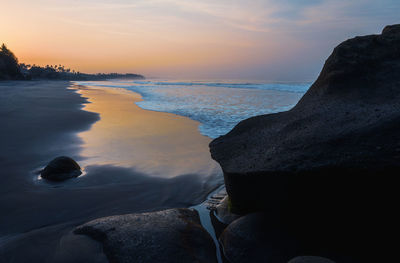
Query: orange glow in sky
186	38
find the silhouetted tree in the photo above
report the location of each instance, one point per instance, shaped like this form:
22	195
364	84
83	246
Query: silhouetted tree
9	68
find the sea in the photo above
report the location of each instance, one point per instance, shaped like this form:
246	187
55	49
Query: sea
218	105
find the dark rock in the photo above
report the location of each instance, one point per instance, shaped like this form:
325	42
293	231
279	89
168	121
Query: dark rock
310	259
332	161
351	111
73	248
256	238
173	235
223	212
60	169
218	226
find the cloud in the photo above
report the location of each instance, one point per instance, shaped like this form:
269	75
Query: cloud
256	35
262	16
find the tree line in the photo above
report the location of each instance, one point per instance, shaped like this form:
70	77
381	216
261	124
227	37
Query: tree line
11	69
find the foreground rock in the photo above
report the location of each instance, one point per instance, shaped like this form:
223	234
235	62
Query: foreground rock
257	238
173	235
60	169
329	166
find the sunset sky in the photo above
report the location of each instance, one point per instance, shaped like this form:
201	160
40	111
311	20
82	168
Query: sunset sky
202	39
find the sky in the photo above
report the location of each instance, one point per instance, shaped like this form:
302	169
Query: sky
274	40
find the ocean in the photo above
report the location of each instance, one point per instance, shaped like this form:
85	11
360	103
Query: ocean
217	105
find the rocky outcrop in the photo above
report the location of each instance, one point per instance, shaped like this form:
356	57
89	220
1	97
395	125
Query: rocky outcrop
347	122
173	235
60	169
332	161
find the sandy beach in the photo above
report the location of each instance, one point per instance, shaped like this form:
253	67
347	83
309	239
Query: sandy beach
134	170
156	143
199	131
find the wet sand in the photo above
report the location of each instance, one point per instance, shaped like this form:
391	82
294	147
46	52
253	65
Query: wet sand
156	143
44	119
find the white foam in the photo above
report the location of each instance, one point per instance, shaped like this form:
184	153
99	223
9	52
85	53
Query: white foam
218	106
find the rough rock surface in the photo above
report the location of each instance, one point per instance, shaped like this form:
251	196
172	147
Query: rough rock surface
329	166
60	169
256	238
173	235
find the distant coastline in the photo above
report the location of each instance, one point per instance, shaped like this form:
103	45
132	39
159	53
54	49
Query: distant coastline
11	69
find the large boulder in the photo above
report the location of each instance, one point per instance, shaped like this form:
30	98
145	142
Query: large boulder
257	238
60	169
347	122
333	160
173	235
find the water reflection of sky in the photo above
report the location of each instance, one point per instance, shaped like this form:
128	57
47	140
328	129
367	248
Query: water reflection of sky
155	143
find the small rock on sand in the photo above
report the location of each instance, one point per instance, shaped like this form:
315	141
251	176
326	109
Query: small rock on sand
60	169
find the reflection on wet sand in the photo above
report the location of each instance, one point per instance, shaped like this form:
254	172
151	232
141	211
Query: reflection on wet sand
156	143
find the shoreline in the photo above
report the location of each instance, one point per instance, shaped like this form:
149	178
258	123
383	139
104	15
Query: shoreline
39	115
52	210
129	136
215	112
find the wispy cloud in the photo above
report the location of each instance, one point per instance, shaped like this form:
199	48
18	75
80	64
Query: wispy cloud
259	35
254	16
